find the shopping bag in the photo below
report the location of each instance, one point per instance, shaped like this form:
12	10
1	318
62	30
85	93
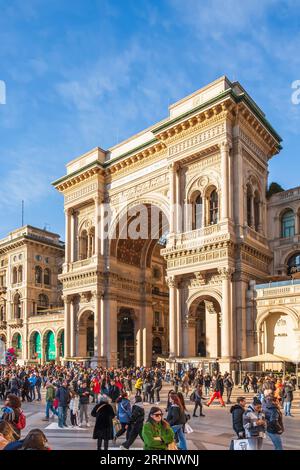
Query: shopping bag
188	429
245	444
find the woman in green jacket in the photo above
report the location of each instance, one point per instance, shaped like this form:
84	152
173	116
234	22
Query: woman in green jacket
157	433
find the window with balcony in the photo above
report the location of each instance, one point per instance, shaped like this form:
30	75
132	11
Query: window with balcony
288	224
15	276
20	274
47	277
213	207
198	212
294	264
256	211
38	275
43	303
17	307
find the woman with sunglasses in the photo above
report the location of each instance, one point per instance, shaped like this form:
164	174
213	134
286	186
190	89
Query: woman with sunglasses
157	433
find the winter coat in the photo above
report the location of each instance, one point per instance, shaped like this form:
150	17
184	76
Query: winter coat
157	430
124	411
176	416
138	384
104	415
84	396
74	405
273	418
114	393
219	385
288	395
237	412
63	396
250	417
137	416
50	393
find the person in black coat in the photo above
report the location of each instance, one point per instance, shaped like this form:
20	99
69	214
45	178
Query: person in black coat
136	422
103	430
237	412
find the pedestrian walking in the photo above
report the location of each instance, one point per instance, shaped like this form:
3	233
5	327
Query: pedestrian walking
103	429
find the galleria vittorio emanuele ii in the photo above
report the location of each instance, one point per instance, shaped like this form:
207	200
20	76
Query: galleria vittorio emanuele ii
173	249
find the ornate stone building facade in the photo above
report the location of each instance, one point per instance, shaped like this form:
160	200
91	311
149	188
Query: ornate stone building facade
203	170
31	308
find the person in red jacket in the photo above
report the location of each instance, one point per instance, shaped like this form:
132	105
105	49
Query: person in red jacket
95	388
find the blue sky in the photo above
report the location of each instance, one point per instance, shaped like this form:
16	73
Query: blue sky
86	73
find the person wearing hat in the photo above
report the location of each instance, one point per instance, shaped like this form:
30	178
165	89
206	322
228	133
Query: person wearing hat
254	423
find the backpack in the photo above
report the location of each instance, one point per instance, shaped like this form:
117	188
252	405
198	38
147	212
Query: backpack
21	421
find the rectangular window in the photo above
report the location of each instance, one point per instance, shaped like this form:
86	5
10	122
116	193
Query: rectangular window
156	318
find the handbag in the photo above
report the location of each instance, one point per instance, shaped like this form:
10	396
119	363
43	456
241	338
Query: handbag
172	446
188	429
116	425
245	444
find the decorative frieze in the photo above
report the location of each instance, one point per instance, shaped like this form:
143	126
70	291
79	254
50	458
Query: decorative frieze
74	195
142	188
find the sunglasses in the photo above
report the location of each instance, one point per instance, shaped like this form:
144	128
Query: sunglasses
157	414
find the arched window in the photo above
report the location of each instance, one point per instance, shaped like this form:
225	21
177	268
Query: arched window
213	208
249	206
198	211
91	244
15	276
83	244
256	211
38	275
17	306
2	313
294	264
20	274
43	302
288	224
47	277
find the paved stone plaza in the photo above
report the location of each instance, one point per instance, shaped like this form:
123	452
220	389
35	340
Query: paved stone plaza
213	432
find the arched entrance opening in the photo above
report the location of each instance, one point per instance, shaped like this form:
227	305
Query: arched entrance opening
203	328
277	335
49	346
35	345
17	344
126	344
86	335
140	235
61	343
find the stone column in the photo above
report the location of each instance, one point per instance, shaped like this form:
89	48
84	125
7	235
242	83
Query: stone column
111	316
147	334
97	326
226	314
67	314
73	311
72	236
172	196
188	339
178	211
225	180
211	327
67	235
178	318
97	201
102	232
172	317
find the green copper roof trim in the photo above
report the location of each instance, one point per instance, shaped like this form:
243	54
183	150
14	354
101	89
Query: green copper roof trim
237	98
229	92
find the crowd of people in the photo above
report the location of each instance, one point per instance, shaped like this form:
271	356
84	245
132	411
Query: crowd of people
119	397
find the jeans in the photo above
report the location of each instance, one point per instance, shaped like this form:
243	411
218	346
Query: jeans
207	390
38	390
276	439
49	406
62	416
228	393
123	429
32	392
178	429
287	408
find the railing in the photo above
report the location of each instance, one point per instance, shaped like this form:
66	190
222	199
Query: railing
2	324
257	236
289	282
15	322
200	232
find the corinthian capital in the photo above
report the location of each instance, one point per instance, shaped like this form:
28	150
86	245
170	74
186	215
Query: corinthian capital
226	272
171	281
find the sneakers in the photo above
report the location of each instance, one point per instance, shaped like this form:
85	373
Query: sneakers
202	414
45	419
